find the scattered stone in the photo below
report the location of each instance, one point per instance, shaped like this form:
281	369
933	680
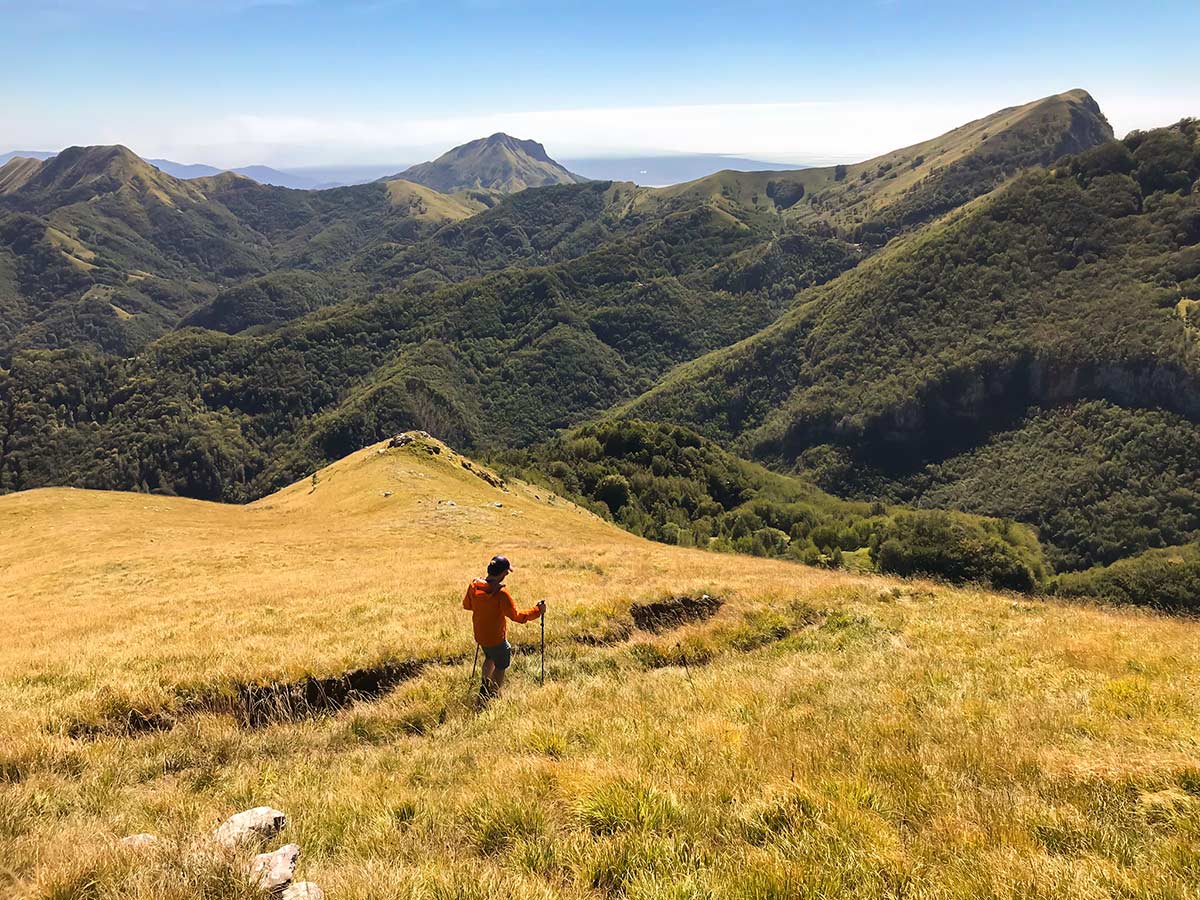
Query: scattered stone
498	505
274	871
141	841
448	503
408	437
249	825
302	890
381	452
387	493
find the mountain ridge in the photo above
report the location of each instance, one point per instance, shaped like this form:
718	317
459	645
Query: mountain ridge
1060	287
498	162
878	198
778	335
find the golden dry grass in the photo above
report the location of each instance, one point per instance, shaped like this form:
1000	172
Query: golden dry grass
823	735
426	203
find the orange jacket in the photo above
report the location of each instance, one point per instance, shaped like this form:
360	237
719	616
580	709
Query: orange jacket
490	605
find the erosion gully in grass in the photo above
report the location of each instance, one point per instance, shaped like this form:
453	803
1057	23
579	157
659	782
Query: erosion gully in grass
257	705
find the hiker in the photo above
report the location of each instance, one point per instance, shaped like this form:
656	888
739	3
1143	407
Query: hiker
490	604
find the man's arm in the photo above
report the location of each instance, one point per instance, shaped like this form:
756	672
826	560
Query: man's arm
467	599
520	616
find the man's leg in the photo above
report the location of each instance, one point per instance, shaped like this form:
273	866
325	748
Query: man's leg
493	673
489	672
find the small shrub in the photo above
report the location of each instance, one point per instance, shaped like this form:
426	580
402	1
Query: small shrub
946	546
618	806
497	825
777	815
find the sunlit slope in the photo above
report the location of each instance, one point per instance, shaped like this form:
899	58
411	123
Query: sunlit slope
132	588
427	204
115	252
818	736
879	197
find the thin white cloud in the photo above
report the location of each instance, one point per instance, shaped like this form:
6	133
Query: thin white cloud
797	130
816	131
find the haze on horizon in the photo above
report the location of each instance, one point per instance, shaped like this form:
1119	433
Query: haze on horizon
315	82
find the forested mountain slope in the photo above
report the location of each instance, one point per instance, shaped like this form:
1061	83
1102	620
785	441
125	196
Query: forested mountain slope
494	330
668	483
98	247
1066	285
496	321
502	359
1099	481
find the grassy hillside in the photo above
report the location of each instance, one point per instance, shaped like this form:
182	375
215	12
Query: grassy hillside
879	198
1063	286
111	252
820	735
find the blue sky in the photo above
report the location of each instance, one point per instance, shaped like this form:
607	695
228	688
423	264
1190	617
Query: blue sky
293	82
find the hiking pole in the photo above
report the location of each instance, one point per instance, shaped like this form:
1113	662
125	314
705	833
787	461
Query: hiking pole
473	665
543	646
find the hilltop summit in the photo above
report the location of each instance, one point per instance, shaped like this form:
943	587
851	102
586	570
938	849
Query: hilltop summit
500	162
79	174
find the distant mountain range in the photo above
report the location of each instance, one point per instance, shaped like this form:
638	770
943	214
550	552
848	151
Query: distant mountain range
261	174
1003	319
656	170
25	154
188	171
668	169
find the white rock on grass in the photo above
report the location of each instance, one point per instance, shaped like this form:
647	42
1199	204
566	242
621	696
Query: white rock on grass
302	890
274	871
249	825
141	841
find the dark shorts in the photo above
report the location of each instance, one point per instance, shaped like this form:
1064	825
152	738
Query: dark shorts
501	654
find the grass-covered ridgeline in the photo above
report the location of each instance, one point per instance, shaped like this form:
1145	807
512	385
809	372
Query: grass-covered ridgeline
875	200
1065	283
